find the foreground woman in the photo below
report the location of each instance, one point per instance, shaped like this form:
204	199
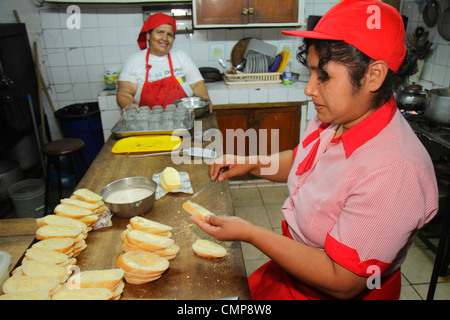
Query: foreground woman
361	184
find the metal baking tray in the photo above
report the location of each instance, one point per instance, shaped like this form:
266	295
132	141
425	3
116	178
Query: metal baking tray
119	132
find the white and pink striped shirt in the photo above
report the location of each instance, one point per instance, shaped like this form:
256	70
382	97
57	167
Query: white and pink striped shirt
364	195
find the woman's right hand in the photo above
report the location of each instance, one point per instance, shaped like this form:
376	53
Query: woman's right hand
237	166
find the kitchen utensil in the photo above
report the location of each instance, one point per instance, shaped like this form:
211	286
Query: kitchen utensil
284	60
238	51
199	105
443	24
431	13
274	65
209	183
210	74
412	98
147	143
258	46
135	208
438	109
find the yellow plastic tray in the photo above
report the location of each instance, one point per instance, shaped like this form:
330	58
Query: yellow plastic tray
150	143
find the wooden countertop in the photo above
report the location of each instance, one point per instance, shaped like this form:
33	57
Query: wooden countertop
189	276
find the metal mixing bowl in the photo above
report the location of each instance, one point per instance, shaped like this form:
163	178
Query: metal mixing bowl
200	105
129	210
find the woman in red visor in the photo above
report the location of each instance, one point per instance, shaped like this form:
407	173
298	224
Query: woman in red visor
361	184
156	75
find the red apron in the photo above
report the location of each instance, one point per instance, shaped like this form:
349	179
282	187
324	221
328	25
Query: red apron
161	92
271	282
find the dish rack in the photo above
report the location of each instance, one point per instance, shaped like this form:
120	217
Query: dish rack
252	78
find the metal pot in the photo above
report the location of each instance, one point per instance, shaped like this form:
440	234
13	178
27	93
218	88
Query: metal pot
10	173
438	110
412	98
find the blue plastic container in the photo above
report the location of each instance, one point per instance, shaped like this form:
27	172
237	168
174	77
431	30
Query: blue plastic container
82	120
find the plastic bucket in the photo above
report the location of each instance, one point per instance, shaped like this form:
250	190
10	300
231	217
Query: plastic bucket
83	121
28	197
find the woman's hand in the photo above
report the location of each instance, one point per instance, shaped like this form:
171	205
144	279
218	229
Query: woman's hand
226	228
237	165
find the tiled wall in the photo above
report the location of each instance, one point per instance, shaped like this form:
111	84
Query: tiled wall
73	61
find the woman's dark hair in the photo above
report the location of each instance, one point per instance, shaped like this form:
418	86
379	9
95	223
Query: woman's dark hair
357	64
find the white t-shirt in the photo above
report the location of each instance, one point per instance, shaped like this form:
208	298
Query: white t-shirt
184	70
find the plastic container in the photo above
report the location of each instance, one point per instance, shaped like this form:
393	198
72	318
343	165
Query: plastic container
28	197
82	120
5	260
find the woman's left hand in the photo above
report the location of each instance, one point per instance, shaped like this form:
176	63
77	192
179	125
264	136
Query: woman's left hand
225	228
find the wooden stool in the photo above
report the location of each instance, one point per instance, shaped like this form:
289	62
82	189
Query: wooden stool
54	150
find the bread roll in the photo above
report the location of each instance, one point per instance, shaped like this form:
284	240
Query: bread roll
148	241
60	220
63	245
196	210
108	278
149	226
47	256
31	295
208	249
58	231
142	262
83	294
70	211
87	195
170	179
30	284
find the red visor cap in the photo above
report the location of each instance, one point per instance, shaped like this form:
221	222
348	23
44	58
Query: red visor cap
373	27
155	20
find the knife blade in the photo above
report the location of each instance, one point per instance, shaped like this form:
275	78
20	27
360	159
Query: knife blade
209	183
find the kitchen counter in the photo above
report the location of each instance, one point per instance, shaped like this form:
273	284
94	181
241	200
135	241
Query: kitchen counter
188	276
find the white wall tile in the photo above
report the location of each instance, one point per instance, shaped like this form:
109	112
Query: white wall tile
60	75
56	57
108	37
71	38
75	57
78	74
81	92
90	37
93	56
53	38
107	17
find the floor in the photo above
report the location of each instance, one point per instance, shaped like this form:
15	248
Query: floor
260	202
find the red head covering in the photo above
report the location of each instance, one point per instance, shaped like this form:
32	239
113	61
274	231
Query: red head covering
373	27
155	20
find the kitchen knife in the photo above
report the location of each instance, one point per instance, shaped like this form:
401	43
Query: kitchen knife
209	183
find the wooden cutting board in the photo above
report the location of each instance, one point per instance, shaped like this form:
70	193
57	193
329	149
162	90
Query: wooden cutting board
16	236
237	53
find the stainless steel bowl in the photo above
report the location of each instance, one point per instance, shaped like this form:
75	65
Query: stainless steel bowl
128	210
200	105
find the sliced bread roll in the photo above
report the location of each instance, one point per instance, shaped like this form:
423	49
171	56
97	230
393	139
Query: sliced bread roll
196	210
58	231
60	220
148	241
142	262
70	211
30	284
47	256
170	179
31	295
87	195
83	294
149	226
108	278
41	269
81	204
63	245
208	249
